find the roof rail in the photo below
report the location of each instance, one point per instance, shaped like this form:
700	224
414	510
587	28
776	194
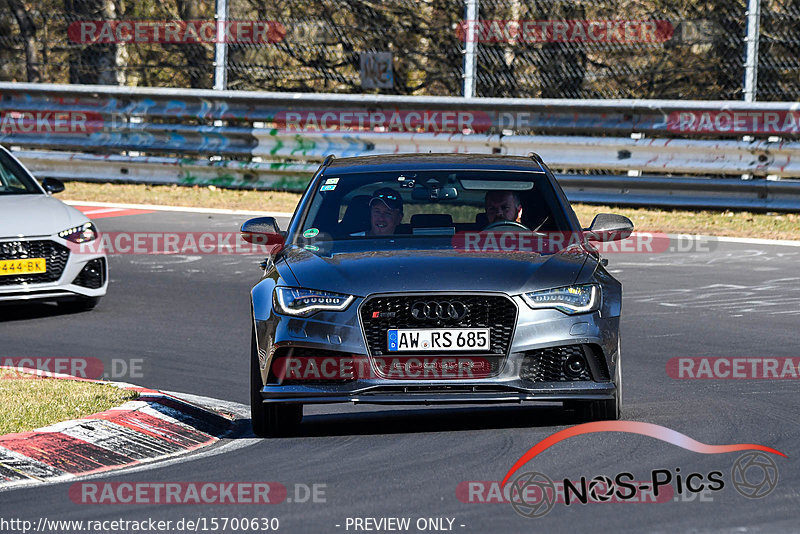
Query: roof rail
328	159
537	158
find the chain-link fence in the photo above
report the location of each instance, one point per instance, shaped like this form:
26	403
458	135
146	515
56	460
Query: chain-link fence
521	48
779	51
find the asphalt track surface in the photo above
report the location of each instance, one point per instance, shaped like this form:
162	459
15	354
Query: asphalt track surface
187	317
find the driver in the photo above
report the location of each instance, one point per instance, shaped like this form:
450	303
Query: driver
385	212
503	205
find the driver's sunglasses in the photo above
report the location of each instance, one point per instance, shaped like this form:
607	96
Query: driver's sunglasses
388	196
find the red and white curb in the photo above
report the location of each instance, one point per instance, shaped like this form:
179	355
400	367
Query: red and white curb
153	427
95	212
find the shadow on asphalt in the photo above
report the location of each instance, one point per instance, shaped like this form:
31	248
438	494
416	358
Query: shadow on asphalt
38	310
417	421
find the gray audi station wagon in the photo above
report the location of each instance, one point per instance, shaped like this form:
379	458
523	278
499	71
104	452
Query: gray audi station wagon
434	279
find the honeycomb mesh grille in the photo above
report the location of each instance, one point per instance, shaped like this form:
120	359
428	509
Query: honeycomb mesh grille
56	257
547	365
495	312
92	276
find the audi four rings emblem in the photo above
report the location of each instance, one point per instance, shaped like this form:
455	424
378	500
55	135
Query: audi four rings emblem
439	311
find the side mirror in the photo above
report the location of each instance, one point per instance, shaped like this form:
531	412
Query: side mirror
52	186
609	227
263	231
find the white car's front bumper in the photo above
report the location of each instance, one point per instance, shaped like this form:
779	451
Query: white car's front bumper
69	274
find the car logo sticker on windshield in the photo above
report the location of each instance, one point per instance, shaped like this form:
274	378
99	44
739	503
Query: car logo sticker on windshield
328	187
311	232
312	248
330	181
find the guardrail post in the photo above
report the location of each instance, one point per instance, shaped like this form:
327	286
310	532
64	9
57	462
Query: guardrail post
751	51
470	18
221	48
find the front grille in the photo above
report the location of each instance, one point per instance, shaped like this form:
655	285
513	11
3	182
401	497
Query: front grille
56	257
495	312
548	365
93	274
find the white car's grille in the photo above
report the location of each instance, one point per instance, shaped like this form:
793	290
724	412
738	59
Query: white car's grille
56	257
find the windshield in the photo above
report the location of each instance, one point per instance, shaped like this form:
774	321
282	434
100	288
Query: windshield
13	179
425	209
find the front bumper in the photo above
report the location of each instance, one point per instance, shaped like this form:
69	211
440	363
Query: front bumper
535	331
79	275
486	392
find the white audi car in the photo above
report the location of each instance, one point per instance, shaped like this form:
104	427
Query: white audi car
41	257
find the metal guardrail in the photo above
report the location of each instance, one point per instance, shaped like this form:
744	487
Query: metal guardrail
291	176
693	193
246	139
557	116
564	152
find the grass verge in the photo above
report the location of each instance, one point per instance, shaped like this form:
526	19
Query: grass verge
31	402
720	223
175	195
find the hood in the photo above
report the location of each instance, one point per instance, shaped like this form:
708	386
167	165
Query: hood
36	215
363	273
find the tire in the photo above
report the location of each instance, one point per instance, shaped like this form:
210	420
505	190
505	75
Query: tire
82	304
269	420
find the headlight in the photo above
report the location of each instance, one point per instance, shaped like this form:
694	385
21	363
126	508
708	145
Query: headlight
80	234
304	302
570	300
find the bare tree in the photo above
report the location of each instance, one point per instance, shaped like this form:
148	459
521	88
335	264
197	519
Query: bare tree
93	63
27	30
197	57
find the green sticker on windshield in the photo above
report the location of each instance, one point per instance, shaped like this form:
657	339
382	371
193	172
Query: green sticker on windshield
311	232
312	248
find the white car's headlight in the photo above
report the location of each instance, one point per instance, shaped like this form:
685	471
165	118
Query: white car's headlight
80	234
570	300
303	302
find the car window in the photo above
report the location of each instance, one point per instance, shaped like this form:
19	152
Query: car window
13	179
386	208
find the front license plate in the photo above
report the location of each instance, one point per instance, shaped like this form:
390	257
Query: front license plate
437	339
26	266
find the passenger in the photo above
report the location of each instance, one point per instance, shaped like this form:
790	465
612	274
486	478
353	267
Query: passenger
385	212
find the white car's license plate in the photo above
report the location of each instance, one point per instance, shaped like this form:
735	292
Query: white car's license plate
437	339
